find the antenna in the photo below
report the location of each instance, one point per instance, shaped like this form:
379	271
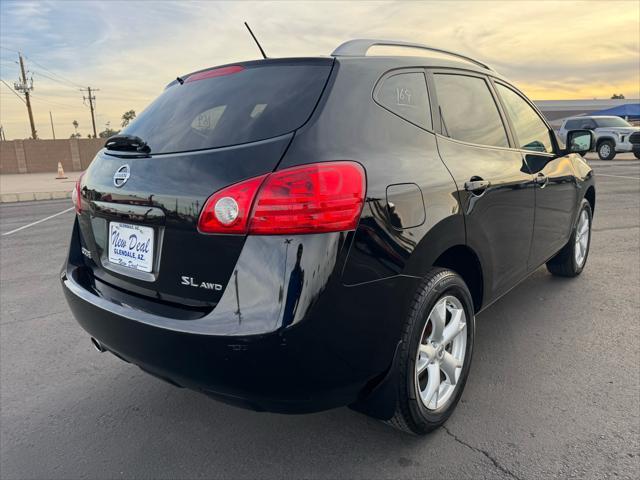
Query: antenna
264	55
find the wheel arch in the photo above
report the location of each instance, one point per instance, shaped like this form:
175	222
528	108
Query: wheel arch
590	195
601	140
466	263
445	246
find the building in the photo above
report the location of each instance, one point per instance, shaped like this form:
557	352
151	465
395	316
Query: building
557	110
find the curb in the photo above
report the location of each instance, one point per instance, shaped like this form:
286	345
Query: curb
31	196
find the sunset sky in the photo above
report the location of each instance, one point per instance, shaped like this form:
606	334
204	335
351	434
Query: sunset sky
131	50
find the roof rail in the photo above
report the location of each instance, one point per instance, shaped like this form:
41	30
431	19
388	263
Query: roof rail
360	46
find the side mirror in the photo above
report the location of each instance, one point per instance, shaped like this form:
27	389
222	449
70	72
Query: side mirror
580	141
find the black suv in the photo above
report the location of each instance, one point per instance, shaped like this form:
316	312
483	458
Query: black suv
298	234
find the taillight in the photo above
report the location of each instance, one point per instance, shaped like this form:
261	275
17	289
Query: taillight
228	210
76	196
314	198
321	197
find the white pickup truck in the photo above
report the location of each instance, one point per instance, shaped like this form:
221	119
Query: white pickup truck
613	134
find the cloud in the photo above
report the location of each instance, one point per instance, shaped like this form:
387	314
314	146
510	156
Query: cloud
131	50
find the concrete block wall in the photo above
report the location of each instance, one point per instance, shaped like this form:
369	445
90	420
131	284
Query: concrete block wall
88	150
41	156
8	158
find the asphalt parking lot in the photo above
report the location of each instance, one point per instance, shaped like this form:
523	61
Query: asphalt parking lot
554	389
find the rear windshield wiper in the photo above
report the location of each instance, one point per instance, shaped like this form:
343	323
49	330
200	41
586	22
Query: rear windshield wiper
127	143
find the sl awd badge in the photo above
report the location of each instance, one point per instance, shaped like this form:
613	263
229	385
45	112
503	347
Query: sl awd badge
121	176
190	282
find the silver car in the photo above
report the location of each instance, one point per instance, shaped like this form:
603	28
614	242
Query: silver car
613	134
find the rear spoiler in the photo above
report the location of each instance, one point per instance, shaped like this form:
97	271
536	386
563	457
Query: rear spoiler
127	143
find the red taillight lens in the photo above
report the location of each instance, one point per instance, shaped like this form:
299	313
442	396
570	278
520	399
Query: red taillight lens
76	196
315	198
228	210
321	197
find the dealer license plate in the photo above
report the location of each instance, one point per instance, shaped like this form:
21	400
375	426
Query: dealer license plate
131	246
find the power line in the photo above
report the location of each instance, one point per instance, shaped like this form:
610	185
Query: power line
77	85
51	102
13	91
5	66
53	79
36	98
64	94
74	84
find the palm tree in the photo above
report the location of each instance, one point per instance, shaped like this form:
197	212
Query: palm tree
75	126
127	117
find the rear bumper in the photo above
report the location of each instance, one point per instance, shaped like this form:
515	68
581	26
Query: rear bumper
263	372
337	350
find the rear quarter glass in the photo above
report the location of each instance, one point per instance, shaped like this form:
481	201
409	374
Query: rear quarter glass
253	101
405	94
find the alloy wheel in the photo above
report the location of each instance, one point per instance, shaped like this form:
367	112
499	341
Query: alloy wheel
582	238
441	353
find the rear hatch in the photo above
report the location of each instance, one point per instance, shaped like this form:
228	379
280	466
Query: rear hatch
142	196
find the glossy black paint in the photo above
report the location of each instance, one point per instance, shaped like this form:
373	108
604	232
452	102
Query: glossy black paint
257	348
499	220
168	191
309	322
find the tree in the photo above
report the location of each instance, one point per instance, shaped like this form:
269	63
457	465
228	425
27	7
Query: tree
108	132
75	125
127	117
617	96
75	135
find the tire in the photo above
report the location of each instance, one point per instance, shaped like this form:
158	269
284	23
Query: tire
637	155
607	150
568	262
441	291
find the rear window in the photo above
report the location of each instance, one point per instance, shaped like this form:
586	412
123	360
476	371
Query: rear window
238	104
573	124
610	122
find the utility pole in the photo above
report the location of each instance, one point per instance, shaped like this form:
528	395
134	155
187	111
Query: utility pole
26	87
91	99
52	130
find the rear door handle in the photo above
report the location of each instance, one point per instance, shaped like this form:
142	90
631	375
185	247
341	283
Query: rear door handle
542	180
476	185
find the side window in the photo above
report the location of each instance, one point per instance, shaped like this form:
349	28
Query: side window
572	125
468	111
405	94
531	131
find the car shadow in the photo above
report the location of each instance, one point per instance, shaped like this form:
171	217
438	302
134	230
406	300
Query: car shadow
120	422
135	426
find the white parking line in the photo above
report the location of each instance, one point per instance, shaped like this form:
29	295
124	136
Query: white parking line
616	176
36	223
